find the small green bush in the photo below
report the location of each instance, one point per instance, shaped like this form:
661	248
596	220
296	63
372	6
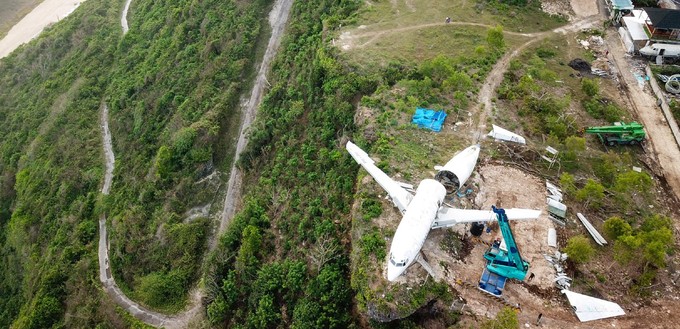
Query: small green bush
579	249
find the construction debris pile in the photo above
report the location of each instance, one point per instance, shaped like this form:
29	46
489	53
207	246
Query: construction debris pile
561	280
600	66
557	211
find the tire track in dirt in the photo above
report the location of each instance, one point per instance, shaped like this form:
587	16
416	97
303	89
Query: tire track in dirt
346	38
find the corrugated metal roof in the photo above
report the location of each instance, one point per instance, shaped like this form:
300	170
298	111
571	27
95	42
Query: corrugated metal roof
664	18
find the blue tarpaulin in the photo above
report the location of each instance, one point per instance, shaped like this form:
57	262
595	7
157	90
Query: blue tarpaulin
429	119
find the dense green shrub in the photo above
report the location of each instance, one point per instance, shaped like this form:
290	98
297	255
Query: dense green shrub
580	249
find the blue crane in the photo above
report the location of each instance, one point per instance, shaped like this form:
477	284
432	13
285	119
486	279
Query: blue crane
502	264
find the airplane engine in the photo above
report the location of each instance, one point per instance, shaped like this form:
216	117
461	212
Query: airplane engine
449	180
456	172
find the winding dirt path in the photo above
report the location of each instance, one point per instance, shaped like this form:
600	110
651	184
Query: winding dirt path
495	77
106	277
123	17
278	18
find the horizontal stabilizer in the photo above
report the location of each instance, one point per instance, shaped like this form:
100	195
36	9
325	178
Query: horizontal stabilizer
590	308
447	217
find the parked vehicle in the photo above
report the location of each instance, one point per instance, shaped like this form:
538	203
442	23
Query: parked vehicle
619	134
661	49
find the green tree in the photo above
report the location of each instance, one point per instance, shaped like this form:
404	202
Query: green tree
614	227
266	314
652	240
590	87
657	238
505	319
579	249
575	144
633	181
567	182
163	162
246	260
592	194
495	38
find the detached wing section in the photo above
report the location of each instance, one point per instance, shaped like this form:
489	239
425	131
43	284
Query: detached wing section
447	216
400	197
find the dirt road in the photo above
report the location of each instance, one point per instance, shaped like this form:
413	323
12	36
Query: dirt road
31	25
660	139
278	18
123	17
105	276
495	77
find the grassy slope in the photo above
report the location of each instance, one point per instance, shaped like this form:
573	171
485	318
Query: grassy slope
172	81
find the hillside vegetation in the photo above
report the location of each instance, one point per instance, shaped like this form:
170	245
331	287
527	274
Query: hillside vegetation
283	261
172	84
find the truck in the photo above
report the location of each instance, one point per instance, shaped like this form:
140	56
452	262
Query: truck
619	133
502	263
665	50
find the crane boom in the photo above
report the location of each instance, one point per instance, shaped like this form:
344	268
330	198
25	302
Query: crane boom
508	237
620	133
508	263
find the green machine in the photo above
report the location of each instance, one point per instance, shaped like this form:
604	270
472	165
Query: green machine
619	133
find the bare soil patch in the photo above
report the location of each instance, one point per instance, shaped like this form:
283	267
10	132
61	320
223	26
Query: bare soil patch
584	8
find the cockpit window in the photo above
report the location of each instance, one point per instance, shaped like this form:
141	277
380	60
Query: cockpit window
398	264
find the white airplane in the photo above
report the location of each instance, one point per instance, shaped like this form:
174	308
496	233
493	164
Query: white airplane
426	209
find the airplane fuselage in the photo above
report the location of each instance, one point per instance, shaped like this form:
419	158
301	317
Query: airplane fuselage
422	211
414	226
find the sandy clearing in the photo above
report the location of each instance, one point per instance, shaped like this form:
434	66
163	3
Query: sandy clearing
50	11
584	8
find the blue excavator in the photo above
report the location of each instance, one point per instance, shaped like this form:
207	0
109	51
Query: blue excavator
502	264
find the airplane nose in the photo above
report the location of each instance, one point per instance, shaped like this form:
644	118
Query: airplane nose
393	272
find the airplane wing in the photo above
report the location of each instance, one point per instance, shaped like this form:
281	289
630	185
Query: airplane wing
447	216
400	197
